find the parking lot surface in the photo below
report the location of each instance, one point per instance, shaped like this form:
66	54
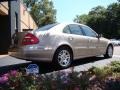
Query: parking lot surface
7	62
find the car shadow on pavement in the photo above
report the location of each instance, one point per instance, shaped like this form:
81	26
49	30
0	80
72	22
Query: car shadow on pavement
48	67
87	60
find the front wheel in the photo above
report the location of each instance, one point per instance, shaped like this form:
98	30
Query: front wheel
63	57
109	52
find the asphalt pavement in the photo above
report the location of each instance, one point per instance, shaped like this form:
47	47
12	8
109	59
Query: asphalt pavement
7	63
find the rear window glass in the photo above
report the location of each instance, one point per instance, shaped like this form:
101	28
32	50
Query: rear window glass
46	27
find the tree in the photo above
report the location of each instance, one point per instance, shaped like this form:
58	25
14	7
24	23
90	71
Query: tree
103	20
113	19
30	3
99	10
97	19
81	19
42	11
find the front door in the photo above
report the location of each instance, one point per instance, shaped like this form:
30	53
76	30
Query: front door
5	37
93	45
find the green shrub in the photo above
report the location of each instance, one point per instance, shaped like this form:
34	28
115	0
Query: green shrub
101	73
106	78
115	66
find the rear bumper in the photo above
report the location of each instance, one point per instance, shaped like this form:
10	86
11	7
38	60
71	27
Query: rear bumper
33	53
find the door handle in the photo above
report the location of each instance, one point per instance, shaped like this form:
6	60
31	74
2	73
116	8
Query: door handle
89	40
70	38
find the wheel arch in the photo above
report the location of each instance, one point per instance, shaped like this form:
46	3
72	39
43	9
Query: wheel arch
106	55
110	44
64	45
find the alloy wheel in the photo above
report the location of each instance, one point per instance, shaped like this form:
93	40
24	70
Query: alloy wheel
110	51
64	58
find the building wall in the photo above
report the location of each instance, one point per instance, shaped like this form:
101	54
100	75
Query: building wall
11	9
13	16
27	22
4	8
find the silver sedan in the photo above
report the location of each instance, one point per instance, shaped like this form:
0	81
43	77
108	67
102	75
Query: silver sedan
62	43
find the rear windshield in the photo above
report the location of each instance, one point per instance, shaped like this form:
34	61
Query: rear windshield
46	27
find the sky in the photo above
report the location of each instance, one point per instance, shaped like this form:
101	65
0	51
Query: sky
68	9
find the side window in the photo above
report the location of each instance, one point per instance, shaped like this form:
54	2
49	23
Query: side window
75	29
66	30
88	31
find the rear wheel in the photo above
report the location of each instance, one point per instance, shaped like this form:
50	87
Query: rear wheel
63	57
109	52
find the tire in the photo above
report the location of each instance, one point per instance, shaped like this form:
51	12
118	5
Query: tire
63	57
109	52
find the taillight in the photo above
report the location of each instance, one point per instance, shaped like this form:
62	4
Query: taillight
30	39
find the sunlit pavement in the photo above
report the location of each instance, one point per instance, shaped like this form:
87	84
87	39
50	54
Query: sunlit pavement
8	62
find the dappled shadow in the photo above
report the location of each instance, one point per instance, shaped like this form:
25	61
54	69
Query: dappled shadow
87	60
48	67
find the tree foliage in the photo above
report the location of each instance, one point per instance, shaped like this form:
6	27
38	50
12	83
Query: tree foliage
29	3
103	20
81	19
42	11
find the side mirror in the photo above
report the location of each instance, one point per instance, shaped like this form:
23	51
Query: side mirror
99	36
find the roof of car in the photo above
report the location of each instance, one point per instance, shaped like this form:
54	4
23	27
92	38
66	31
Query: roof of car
66	23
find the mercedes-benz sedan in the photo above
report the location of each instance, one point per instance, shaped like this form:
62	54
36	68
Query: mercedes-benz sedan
62	43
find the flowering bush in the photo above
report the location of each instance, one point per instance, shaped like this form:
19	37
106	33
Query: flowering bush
15	80
107	78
